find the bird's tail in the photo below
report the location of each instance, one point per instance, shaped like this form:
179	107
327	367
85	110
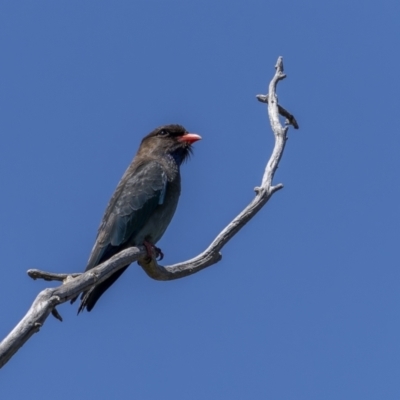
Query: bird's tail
90	297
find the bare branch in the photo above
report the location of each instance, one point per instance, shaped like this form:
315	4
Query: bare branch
48	299
50	276
76	283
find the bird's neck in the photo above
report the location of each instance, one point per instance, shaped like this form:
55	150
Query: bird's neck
172	166
178	155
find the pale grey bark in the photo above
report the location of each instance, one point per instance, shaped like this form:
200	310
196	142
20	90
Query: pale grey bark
74	284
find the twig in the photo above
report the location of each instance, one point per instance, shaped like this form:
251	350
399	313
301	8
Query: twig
74	284
50	276
290	119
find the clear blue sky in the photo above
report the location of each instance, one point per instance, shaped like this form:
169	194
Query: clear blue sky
305	303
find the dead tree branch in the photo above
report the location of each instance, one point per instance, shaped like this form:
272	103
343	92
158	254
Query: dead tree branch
75	283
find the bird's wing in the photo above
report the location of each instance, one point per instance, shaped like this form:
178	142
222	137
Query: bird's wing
135	199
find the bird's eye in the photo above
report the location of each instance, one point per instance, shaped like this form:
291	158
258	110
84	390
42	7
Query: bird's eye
163	132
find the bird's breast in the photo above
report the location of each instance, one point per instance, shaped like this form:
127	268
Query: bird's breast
159	220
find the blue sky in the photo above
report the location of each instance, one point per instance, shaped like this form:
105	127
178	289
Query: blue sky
305	302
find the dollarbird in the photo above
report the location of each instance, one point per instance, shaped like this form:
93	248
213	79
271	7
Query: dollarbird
143	203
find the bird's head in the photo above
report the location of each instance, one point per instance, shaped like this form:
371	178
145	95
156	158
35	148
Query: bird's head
169	139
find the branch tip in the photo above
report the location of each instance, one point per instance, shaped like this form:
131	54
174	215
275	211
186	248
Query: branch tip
31	274
279	64
56	314
262	97
281	76
277	187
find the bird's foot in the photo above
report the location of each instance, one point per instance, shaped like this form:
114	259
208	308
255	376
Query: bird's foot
153	250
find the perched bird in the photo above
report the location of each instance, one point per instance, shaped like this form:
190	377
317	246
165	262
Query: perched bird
143	203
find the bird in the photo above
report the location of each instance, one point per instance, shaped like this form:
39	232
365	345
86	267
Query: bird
143	203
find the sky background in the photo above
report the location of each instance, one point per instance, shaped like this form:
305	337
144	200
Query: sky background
305	303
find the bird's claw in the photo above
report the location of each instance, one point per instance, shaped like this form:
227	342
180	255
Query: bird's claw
159	253
153	250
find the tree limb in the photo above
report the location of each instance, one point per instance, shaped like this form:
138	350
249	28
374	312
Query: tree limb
75	283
